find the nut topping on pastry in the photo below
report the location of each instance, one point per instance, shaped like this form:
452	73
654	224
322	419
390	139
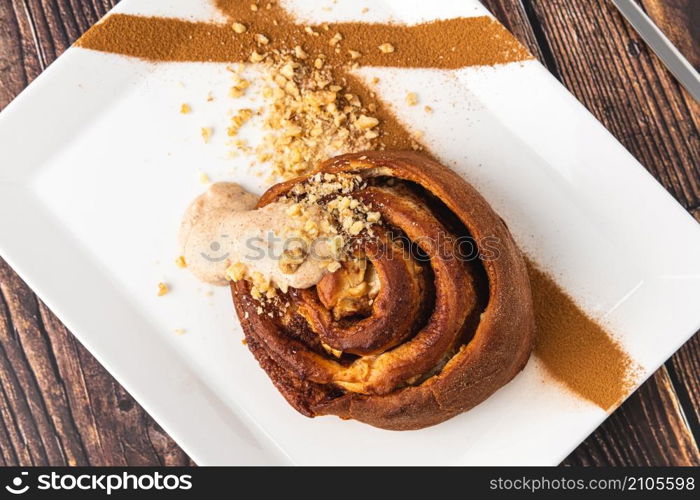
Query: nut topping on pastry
408	325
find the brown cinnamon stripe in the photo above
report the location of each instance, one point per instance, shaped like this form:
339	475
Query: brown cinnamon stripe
574	349
453	43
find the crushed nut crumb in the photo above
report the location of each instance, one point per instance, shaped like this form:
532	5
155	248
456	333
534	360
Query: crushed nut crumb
239	28
206	133
335	40
307	117
366	122
236	271
238	120
256	57
300	53
240	85
203	178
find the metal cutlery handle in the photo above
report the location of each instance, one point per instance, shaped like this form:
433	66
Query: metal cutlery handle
661	45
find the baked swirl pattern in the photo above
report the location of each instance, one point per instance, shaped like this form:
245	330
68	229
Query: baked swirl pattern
410	331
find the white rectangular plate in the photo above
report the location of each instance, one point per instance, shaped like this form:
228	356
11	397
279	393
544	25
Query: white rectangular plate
97	165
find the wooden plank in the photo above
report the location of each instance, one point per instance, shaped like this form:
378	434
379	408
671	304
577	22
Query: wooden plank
684	369
679	20
23	397
514	17
31	359
648	429
19	61
610	70
79	389
59	406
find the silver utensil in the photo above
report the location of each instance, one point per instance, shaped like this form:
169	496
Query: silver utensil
661	45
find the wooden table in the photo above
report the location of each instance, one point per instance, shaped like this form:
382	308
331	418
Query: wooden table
59	406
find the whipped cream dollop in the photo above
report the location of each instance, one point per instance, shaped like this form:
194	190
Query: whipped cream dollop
222	228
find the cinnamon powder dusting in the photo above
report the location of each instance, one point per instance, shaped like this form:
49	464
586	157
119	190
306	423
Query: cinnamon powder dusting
573	348
446	44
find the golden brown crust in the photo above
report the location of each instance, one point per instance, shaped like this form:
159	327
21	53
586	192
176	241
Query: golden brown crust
464	328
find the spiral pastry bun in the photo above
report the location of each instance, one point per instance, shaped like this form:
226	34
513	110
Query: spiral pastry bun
431	315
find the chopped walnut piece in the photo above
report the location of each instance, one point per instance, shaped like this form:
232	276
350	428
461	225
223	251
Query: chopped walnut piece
294	209
386	48
356	228
291	260
162	289
373	216
206	133
335	40
238	120
240	85
255	57
304	104
260	282
180	261
366	122
261	39
236	271
203	178
288	70
239	28
299	52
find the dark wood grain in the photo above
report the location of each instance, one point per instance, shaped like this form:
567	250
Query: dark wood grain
59	406
607	67
649	429
680	21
